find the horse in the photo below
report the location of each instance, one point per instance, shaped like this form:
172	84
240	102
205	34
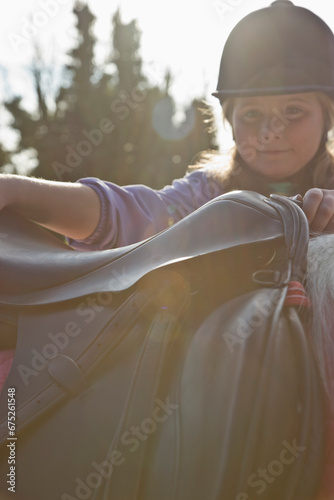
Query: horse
184	366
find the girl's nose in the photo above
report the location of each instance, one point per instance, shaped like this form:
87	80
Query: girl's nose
270	128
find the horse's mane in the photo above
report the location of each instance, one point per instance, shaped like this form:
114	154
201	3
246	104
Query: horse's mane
320	289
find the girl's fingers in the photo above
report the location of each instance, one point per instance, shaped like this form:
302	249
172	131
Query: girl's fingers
319	209
330	226
311	203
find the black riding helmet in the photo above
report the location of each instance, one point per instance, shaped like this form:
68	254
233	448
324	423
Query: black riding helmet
281	49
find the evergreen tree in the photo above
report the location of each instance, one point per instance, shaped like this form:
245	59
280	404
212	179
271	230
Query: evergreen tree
118	127
4	157
125	53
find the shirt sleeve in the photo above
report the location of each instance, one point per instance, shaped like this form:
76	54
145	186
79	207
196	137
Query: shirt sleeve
132	213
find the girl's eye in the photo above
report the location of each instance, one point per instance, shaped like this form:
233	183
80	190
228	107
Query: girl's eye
251	114
293	112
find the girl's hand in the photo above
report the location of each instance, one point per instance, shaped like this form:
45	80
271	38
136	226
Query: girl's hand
318	206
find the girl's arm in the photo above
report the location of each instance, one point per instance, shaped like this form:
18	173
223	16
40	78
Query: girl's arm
71	209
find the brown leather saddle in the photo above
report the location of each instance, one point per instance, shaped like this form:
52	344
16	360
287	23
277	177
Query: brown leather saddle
167	369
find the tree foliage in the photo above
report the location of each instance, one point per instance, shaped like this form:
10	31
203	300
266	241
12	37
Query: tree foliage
4	158
109	122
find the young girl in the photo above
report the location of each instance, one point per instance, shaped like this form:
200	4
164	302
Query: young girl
276	86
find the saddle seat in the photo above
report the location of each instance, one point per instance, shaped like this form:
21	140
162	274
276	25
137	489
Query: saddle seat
37	268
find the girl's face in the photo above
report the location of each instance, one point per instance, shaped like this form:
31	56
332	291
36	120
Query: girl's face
278	135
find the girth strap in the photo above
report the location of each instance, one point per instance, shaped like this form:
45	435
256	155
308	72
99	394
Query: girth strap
144	408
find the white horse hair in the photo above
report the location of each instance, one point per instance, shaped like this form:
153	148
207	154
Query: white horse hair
320	289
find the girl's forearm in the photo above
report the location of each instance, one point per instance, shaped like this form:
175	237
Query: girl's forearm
71	209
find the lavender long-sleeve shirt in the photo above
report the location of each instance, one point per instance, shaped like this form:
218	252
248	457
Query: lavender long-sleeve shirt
132	213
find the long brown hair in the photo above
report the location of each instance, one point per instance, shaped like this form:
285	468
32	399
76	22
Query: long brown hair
231	172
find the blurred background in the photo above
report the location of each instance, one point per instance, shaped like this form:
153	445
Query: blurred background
119	90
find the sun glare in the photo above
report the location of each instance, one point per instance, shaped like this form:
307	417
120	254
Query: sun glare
182	36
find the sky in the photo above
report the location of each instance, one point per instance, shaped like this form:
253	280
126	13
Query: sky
186	36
